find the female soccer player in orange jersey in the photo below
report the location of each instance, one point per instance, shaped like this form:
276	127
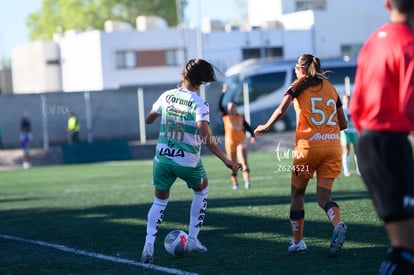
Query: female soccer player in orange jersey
235	126
317	149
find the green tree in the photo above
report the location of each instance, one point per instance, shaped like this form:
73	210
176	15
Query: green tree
62	15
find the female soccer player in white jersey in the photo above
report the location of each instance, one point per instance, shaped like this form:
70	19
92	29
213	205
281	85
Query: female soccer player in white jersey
184	127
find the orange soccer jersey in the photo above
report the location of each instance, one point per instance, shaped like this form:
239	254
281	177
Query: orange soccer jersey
317	119
317	132
234	129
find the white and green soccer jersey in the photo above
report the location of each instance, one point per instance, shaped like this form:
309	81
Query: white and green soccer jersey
178	141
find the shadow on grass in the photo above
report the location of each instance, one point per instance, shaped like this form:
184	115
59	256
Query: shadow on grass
238	243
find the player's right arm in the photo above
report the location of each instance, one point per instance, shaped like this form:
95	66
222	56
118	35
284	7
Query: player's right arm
342	122
407	92
277	114
151	116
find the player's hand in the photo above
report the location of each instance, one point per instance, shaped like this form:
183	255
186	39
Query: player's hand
234	166
259	129
252	140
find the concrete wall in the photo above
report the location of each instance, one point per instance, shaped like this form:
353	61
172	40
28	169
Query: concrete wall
114	114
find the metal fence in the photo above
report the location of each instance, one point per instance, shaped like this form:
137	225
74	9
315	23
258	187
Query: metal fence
103	115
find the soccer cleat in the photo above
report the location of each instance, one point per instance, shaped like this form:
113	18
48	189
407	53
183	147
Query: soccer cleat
194	244
338	238
148	254
235	186
300	246
247	185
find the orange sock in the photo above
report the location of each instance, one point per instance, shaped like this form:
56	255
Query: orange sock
333	213
234	180
297	229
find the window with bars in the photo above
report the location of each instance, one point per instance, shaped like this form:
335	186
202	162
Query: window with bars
150	58
351	50
126	60
301	5
262	52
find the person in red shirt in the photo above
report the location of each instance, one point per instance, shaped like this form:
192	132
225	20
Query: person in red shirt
382	109
317	149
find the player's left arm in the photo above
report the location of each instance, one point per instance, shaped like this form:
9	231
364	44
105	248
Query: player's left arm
342	121
407	91
248	128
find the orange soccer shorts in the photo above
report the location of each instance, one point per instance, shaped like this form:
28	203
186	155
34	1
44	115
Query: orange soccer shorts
231	145
326	161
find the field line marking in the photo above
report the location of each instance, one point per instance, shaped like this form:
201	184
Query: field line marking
98	255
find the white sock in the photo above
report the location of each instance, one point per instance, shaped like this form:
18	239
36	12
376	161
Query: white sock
356	164
345	163
154	219
197	212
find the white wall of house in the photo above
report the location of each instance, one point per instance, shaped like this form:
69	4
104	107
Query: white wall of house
173	39
347	24
224	49
36	68
90	60
81	55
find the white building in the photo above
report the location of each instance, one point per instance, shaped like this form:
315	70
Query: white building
36	67
97	60
153	53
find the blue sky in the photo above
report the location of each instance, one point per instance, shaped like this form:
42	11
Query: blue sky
13	14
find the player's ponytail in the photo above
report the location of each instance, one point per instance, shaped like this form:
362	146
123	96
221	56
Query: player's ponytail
313	74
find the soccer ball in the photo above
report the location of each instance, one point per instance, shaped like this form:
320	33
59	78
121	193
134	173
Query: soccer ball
174	242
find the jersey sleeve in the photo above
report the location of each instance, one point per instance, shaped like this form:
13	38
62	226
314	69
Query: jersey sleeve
157	106
338	102
202	111
290	92
221	108
248	128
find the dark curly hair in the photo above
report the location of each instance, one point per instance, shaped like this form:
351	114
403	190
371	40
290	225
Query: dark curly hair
199	71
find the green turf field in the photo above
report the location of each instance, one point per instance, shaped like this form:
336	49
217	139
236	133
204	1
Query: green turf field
90	219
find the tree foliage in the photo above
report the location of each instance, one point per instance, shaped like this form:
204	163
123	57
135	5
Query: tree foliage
62	15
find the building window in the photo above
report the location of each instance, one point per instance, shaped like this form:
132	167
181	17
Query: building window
251	53
126	60
173	57
351	50
301	5
262	52
140	59
151	58
274	52
53	62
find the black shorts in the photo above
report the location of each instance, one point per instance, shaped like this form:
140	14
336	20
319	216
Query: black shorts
387	167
